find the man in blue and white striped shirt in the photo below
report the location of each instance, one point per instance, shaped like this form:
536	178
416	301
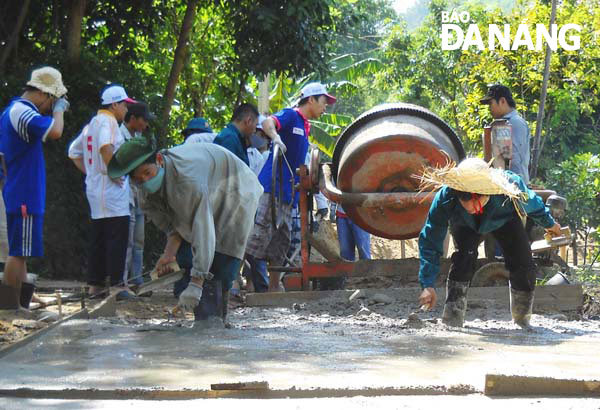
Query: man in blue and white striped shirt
25	124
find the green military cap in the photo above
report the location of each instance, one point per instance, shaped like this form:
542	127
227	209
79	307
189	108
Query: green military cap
129	156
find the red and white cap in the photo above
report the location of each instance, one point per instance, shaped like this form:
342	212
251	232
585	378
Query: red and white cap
115	93
316	89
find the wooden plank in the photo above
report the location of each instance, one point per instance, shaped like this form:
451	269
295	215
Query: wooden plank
106	308
82	314
160	283
240	386
561	297
503	385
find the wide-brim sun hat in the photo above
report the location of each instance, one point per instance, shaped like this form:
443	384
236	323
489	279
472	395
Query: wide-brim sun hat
129	156
472	175
48	80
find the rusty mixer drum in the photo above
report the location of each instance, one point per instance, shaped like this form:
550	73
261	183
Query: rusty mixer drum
380	151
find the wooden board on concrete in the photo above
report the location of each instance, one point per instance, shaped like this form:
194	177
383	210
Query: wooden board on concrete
560	298
106	308
160	283
503	385
240	386
46	284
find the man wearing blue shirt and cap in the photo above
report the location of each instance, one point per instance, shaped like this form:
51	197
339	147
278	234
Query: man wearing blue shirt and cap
25	124
289	130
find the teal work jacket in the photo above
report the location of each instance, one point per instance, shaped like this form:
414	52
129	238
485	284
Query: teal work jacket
446	210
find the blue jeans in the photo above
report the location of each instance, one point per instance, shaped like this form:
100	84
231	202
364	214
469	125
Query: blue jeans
350	237
257	273
135	247
224	268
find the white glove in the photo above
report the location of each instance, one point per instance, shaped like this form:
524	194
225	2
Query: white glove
280	143
190	297
61	105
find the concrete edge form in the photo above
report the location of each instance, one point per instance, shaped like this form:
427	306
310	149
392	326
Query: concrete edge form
505	385
560	297
82	314
106	308
189	394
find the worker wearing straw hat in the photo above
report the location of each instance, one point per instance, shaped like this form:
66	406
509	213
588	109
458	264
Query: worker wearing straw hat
473	200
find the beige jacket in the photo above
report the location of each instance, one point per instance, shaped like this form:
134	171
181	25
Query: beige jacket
209	196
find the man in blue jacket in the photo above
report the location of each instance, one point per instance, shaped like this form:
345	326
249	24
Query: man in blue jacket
235	137
475	199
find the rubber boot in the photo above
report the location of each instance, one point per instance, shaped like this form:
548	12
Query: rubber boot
521	306
210	308
456	303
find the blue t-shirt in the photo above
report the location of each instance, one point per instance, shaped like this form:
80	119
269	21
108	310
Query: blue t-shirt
293	129
22	131
231	139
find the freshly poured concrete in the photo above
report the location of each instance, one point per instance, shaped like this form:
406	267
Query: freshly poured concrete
289	349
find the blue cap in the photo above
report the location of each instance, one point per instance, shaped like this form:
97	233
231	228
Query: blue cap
197	125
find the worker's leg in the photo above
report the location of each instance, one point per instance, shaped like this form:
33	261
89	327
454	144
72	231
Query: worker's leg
362	239
519	263
128	272
258	273
278	248
462	268
215	294
346	238
96	257
137	253
117	234
184	260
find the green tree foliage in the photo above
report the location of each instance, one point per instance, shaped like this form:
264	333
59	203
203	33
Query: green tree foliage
578	180
133	42
450	83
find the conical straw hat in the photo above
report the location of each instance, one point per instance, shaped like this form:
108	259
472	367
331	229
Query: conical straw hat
472	175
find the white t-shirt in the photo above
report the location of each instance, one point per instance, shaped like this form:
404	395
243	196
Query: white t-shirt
208	137
107	198
256	159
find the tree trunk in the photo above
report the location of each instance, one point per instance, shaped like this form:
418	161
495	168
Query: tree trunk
76	13
540	116
178	59
12	41
238	98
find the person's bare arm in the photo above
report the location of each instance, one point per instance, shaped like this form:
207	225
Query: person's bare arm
107	152
79	164
56	130
271	131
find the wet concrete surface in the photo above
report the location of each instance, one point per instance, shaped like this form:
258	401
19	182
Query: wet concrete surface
358	403
306	349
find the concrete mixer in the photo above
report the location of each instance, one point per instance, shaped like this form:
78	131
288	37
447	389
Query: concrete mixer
371	176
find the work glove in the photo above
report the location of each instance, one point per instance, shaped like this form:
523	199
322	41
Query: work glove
61	105
280	143
190	297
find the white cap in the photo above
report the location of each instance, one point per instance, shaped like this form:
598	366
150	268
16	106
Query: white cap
316	89
115	93
261	118
48	80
